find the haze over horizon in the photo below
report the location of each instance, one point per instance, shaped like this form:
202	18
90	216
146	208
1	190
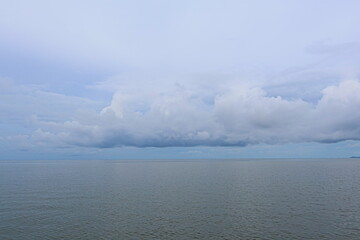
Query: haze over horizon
179	79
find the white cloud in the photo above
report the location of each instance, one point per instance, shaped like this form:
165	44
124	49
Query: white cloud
238	116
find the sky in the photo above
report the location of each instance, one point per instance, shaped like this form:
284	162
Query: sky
179	79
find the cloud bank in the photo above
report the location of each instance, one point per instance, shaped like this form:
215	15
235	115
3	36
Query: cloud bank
177	73
235	116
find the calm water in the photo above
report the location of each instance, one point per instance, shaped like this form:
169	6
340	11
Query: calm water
210	199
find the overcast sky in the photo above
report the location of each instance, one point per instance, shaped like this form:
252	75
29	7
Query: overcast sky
179	79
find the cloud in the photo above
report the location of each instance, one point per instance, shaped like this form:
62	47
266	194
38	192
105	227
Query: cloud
182	73
337	49
182	35
18	103
238	116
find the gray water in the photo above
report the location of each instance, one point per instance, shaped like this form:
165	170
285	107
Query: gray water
208	199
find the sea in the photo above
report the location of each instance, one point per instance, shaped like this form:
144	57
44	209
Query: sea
180	199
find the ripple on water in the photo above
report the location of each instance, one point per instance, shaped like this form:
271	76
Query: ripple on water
268	199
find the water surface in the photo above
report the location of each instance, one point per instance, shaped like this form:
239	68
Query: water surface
199	199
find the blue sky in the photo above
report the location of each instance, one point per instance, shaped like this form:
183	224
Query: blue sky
179	79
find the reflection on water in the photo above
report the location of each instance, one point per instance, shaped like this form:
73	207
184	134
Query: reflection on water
209	199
